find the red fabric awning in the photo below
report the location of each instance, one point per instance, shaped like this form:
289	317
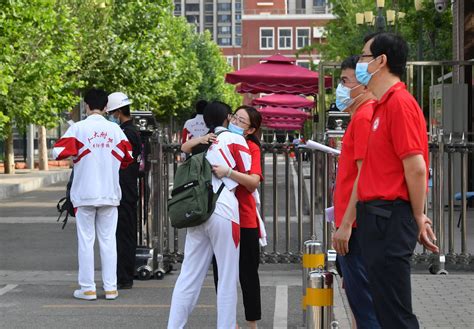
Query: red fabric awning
283	118
284	100
276	74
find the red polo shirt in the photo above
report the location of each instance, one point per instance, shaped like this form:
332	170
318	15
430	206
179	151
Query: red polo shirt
354	147
398	131
247	205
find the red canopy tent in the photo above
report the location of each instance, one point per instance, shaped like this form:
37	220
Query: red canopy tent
276	74
284	100
283	118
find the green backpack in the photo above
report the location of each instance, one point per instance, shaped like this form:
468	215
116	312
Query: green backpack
192	198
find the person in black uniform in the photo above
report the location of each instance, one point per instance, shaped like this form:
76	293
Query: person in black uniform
118	110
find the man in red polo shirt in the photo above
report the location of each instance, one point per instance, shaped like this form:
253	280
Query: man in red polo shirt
392	182
353	97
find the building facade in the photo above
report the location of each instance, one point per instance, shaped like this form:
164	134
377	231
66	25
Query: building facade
248	30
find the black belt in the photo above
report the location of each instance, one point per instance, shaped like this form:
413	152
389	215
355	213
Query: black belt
374	206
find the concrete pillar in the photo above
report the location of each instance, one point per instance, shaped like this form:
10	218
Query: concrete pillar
291	7
309	7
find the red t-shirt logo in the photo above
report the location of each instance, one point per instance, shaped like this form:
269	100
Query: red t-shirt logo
376	124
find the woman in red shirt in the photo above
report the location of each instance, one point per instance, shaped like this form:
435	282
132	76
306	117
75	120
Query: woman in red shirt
246	121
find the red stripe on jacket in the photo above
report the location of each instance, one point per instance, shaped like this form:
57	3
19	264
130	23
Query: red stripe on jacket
71	147
83	154
126	148
235	150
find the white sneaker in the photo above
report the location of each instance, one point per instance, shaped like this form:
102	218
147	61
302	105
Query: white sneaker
111	294
86	295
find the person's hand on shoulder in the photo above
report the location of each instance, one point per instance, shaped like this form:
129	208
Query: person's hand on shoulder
209	138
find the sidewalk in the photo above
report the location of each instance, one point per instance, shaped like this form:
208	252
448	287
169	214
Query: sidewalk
439	301
26	180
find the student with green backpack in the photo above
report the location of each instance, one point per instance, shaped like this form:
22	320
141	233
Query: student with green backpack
220	234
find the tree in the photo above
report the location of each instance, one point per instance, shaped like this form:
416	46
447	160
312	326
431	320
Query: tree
38	37
213	67
344	37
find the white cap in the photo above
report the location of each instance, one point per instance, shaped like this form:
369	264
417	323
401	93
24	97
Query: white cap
117	100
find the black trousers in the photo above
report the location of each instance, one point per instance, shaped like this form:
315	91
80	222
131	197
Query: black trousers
126	241
388	234
249	262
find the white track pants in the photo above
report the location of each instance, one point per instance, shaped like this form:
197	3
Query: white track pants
102	220
212	237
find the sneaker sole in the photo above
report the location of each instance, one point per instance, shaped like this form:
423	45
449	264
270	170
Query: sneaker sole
111	296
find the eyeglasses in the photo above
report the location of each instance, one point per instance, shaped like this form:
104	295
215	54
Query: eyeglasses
365	56
241	120
345	81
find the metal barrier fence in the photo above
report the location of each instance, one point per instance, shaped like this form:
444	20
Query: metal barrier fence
299	182
286	192
292	209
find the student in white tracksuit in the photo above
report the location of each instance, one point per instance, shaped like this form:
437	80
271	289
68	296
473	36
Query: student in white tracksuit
219	236
99	149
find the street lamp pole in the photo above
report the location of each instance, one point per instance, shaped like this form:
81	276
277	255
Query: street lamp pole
379	22
380	19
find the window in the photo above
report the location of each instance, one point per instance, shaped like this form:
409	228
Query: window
192	7
210	29
303	63
238	6
230	60
224	7
319	3
302	37
209	7
193	19
223	18
238	29
177	8
284	38
224	29
224	41
238	41
266	38
209	19
238	17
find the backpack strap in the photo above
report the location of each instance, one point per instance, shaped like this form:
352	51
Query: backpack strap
61	209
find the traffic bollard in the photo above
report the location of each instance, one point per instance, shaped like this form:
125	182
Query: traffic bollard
319	300
313	258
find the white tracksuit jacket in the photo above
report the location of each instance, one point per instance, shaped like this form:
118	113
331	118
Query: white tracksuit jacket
99	149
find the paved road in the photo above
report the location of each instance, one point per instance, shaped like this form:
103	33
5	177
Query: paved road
38	265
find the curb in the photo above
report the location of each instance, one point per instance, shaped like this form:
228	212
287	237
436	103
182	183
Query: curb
14	185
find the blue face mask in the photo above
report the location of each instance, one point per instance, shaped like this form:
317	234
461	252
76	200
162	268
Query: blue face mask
362	73
113	119
343	97
235	129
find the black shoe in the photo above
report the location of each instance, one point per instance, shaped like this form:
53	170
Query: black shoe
128	285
